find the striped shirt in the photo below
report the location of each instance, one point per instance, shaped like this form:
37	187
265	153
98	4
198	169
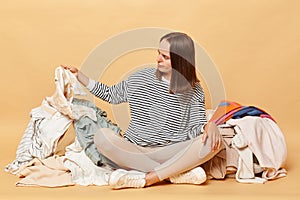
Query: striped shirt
158	118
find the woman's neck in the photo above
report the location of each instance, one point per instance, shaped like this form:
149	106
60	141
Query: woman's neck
167	76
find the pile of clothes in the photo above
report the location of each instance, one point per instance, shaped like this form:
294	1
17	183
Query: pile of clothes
255	146
51	153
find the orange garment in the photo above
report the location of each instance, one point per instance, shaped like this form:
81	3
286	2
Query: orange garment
222	113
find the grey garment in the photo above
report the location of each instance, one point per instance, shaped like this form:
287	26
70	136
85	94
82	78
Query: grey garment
85	129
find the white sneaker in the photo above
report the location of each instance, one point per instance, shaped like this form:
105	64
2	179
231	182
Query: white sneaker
194	176
121	178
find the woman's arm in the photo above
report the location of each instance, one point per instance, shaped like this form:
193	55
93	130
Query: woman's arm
82	78
197	119
112	94
199	125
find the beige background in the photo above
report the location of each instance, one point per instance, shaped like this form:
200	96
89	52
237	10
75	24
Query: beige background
254	44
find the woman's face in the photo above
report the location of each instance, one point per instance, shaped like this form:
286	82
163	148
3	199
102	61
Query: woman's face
163	58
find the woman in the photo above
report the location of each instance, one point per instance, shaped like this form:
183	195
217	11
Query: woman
167	136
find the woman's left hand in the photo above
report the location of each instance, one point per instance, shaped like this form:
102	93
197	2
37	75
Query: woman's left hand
211	131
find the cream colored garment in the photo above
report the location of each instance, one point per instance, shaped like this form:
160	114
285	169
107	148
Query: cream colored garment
226	160
266	141
64	141
67	86
52	129
49	172
232	155
83	170
73	168
245	172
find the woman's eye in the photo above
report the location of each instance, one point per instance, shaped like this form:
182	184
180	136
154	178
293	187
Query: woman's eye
166	57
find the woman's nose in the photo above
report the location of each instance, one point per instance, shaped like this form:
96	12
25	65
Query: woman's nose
159	58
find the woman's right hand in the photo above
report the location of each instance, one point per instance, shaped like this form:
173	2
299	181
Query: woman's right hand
211	131
79	75
74	70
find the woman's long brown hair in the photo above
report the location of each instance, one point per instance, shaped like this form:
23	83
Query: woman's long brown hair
182	53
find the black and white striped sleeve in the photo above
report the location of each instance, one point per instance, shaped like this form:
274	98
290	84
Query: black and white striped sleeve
114	94
197	117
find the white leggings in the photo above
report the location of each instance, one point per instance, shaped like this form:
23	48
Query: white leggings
166	161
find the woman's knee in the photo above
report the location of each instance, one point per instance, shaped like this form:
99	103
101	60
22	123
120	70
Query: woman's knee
101	135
